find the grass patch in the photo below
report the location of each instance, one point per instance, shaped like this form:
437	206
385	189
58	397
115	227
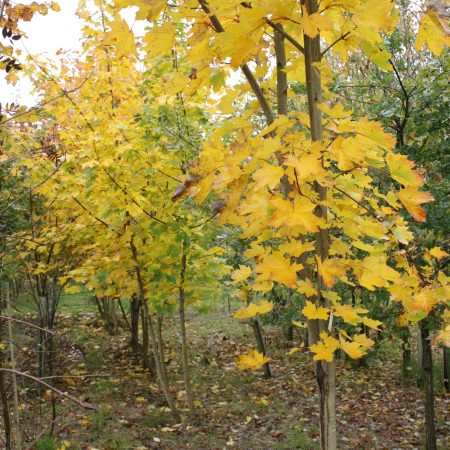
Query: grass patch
46	443
296	439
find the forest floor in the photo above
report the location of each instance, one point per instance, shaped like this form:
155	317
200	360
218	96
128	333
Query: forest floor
236	410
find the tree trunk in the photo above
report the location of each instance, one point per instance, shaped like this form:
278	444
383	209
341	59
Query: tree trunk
430	431
4	400
406	354
184	355
145	341
325	372
420	373
446	352
134	311
160	343
159	362
260	343
18	438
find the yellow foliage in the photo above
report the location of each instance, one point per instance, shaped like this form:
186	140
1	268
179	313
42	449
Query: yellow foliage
251	361
241	274
253	310
325	348
438	253
312	312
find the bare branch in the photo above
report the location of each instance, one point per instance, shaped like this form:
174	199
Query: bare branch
49	386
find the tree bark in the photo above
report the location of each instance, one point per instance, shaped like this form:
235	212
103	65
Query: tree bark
430	430
446	355
325	372
18	437
145	340
159	362
134	312
4	400
406	354
420	374
261	345
184	355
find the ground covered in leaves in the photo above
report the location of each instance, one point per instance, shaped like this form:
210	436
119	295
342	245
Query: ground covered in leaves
238	410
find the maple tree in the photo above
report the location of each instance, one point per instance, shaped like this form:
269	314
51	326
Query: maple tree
300	177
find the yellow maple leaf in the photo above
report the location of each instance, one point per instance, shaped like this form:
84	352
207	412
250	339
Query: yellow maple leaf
348	313
307	168
251	361
267	176
432	32
311	311
335	112
328	269
325	348
306	287
438	253
353	349
401	169
253	310
121	38
444	336
292	214
374	272
241	274
296	247
275	267
412	198
371	323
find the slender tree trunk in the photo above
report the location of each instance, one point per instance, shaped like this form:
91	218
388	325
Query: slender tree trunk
18	440
161	365
420	373
134	311
325	372
430	430
159	362
260	343
4	400
124	314
160	342
145	341
446	354
184	355
406	354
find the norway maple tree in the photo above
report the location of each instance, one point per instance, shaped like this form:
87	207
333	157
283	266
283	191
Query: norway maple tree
295	169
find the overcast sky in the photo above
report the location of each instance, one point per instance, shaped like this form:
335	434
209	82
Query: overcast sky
46	35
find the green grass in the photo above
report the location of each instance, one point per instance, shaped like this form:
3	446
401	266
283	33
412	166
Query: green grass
46	443
68	304
296	439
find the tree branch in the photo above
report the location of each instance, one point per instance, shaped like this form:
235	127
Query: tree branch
287	36
267	110
49	386
342	38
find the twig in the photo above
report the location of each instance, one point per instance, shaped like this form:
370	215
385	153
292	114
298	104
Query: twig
287	36
99	375
267	110
49	386
13	319
95	217
41	105
334	43
42	433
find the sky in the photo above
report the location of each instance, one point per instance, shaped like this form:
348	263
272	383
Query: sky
46	35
